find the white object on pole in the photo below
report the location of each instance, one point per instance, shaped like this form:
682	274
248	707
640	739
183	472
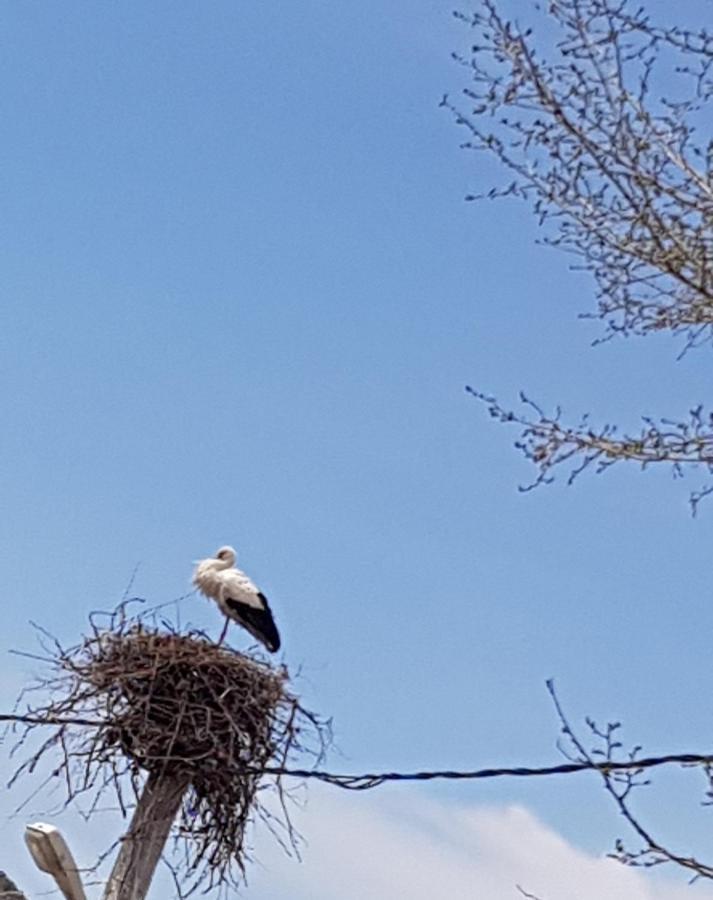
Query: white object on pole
51	854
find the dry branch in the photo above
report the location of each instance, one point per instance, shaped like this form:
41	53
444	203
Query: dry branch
548	443
602	130
136	700
624	179
134	703
620	783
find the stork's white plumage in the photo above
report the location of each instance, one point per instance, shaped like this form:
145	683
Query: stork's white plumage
237	596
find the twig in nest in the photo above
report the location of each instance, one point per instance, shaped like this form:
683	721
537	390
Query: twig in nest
134	698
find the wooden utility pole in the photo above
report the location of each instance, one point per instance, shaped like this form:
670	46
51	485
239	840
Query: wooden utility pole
143	843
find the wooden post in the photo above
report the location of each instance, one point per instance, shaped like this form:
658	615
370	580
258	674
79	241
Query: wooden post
143	843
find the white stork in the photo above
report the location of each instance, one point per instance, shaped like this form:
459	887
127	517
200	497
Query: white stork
237	597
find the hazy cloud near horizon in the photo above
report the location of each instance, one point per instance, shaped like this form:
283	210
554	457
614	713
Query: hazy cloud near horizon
386	849
388	845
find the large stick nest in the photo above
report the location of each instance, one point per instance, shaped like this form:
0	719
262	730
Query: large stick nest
137	698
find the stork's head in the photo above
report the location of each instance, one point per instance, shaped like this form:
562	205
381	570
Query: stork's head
226	555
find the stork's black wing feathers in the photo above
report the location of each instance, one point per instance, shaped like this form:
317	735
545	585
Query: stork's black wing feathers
258	622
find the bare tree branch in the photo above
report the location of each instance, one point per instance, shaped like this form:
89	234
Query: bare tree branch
602	132
548	443
133	700
621	178
619	783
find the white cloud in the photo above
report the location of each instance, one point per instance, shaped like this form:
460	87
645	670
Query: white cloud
399	845
378	847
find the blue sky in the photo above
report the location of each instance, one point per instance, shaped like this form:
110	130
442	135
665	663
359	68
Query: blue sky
241	296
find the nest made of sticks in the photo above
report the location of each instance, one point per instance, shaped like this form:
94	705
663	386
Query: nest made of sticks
137	697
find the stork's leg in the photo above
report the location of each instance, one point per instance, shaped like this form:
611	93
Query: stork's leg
223	632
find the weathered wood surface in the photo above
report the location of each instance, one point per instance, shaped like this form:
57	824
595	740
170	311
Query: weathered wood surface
143	843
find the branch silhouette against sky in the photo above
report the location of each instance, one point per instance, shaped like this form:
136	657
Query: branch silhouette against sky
601	129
